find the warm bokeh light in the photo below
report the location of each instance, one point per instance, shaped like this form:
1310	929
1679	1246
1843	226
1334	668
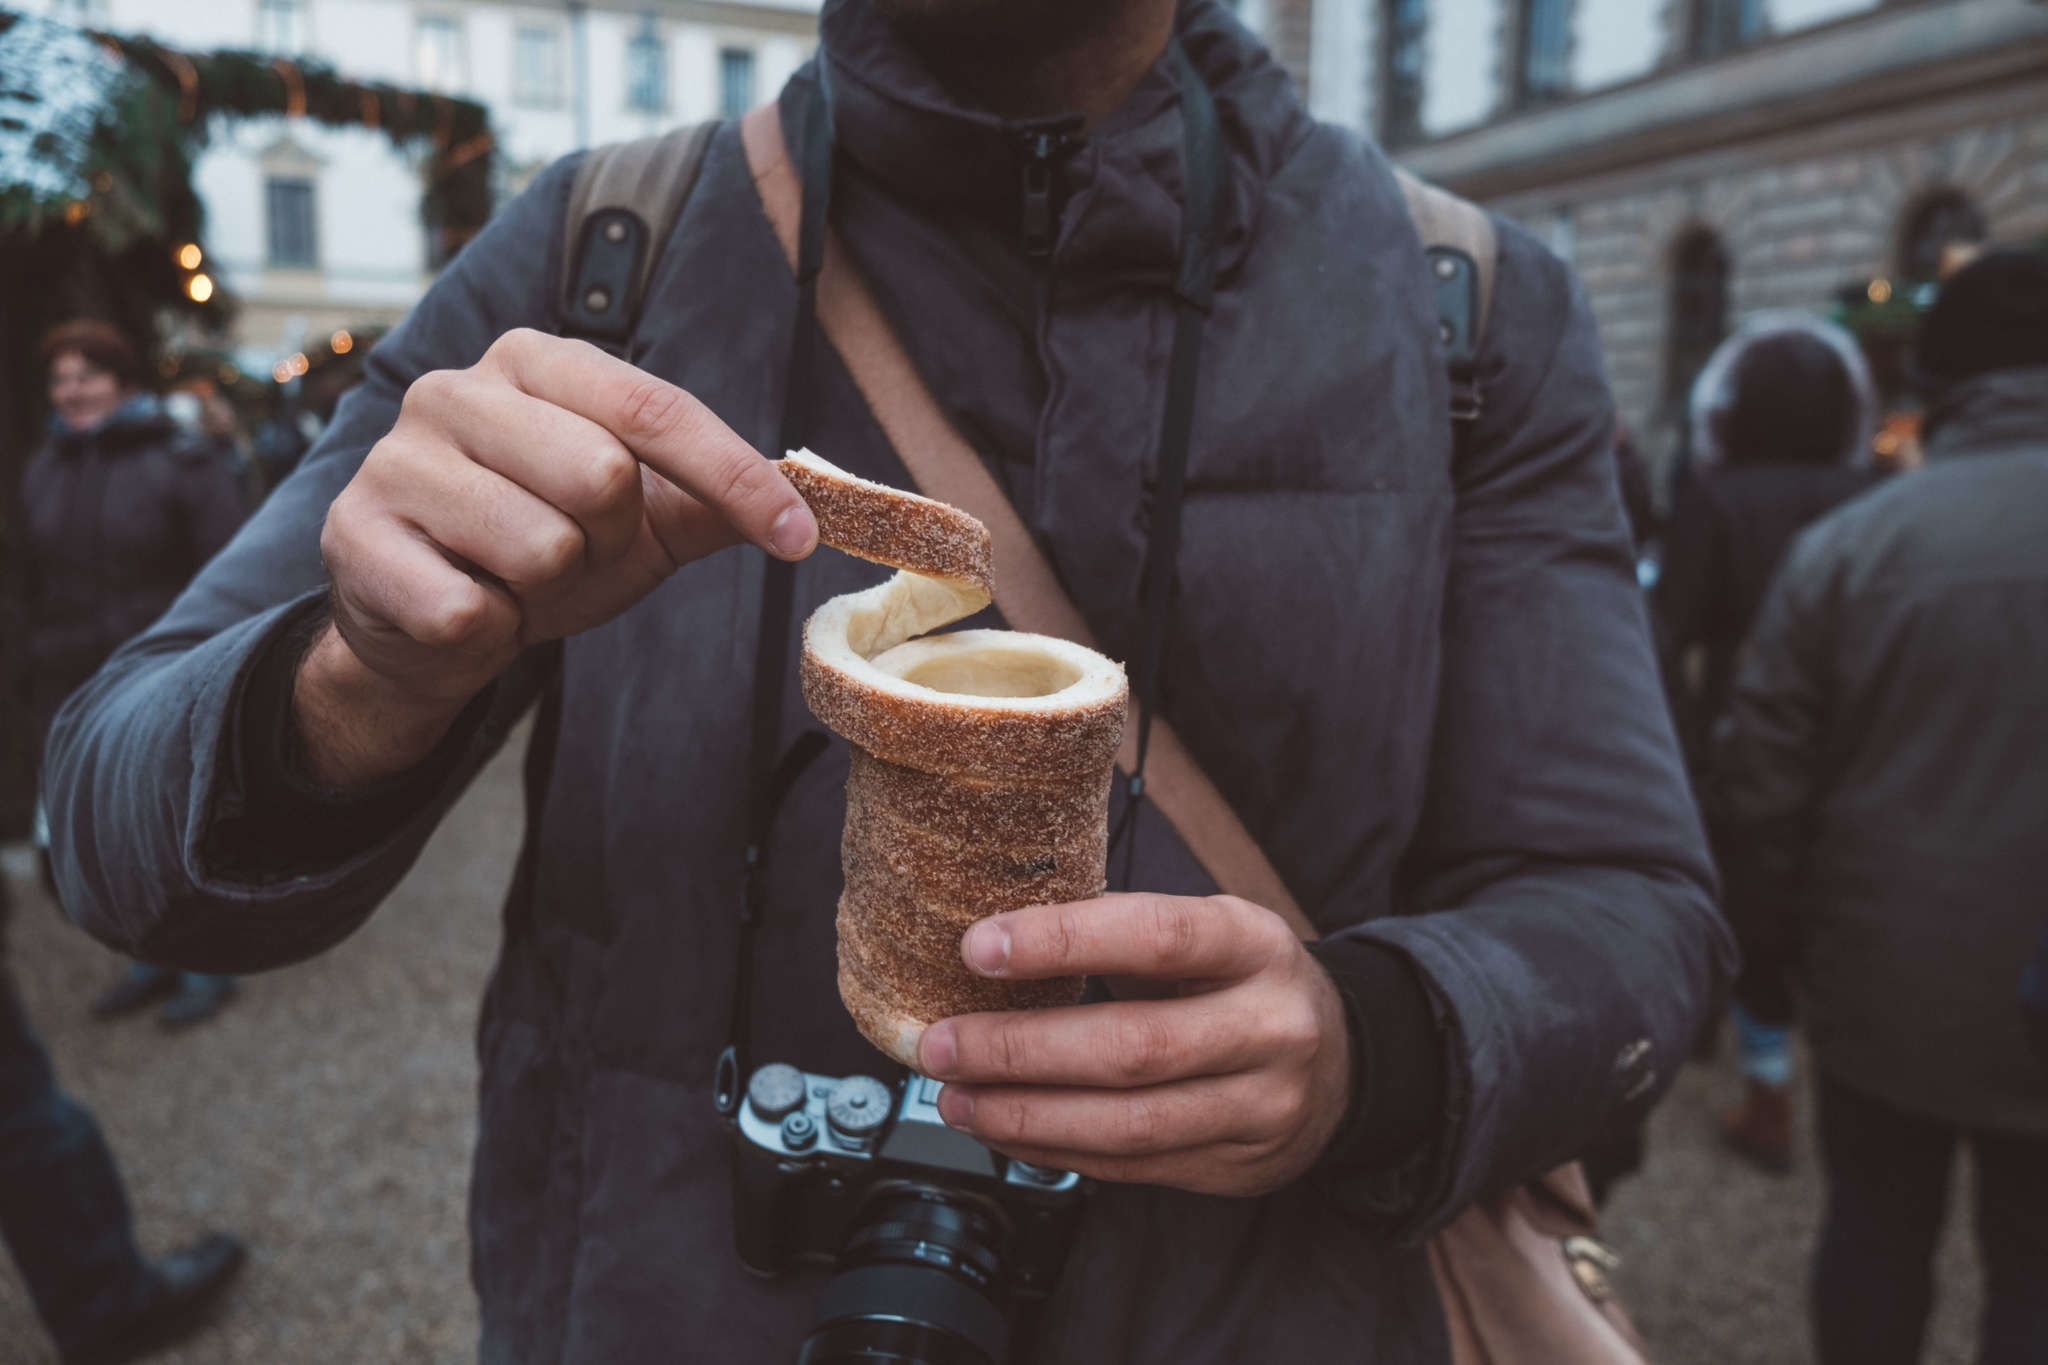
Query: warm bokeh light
341	343
75	211
189	256
297	363
281	372
200	287
1880	291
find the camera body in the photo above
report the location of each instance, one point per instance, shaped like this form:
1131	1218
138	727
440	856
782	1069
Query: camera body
816	1156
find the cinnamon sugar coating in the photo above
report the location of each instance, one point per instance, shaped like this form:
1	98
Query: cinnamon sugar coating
960	804
889	526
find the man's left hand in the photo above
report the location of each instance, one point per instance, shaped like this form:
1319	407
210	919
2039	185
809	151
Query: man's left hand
1229	1078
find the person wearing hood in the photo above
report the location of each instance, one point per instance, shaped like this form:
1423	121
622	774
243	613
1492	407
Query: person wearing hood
1885	762
1407	646
1782	418
122	507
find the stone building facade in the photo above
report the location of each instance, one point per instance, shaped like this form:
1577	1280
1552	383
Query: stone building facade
1698	160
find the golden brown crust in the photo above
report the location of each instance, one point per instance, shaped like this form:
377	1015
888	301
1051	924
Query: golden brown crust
888	526
959	737
960	803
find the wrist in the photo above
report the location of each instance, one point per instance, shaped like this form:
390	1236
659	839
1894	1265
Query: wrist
354	725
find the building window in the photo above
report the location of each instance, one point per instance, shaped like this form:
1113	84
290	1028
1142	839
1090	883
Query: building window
1545	69
437	53
1699	310
288	202
1404	23
647	69
281	26
735	81
1940	222
537	66
1721	26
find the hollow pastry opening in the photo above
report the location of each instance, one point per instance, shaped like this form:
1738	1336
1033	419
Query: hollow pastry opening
983	671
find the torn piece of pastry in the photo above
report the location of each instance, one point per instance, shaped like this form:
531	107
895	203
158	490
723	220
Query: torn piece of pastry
981	759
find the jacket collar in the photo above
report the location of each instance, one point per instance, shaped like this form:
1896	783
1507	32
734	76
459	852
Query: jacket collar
140	419
1122	185
1990	412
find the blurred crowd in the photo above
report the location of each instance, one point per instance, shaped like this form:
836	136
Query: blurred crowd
1856	656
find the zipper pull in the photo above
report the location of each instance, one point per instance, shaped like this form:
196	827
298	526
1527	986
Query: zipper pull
1042	149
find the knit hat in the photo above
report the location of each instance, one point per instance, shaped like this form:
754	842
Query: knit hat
1991	315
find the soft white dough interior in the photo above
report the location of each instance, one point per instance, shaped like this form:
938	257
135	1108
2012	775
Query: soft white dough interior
981	670
870	635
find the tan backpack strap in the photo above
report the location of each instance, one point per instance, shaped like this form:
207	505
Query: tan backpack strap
622	209
1028	593
1442	219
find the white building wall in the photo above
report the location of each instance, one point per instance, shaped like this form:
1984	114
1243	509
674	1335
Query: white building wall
371	247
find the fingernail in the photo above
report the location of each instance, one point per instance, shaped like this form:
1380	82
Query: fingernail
988	948
938	1049
956	1107
793	532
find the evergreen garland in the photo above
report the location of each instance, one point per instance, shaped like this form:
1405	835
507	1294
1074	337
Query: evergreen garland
136	167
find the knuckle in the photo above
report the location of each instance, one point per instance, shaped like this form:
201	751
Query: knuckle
1294	1030
516	344
431	393
1170	929
1143	1125
1062	935
1141	1047
455	621
653	409
610	478
554	553
1006	1052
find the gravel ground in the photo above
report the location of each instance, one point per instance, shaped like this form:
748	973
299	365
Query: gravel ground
326	1116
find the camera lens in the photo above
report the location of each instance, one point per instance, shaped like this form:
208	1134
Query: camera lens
918	1284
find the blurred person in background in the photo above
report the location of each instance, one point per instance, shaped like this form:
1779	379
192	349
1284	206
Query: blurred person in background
1782	419
122	508
1885	763
64	1216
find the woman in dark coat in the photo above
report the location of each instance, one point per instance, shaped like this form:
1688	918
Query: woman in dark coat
122	508
1782	420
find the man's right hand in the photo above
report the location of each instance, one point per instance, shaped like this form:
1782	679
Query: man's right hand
537	494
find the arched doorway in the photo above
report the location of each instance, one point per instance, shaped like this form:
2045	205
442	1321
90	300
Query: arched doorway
1698	317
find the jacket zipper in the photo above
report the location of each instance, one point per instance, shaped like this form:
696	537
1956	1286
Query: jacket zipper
1042	150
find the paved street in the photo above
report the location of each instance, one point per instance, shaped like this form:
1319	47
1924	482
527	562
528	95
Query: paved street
327	1116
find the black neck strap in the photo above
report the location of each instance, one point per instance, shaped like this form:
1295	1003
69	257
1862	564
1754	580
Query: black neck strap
1194	292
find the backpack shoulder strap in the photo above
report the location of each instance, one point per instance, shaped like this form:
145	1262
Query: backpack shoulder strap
622	207
1459	239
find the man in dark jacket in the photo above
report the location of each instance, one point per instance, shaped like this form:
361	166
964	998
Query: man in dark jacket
1887	760
1421	677
122	509
1782	418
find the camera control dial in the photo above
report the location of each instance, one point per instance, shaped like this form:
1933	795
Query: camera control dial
858	1108
775	1090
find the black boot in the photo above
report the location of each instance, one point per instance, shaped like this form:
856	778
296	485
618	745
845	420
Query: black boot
186	1284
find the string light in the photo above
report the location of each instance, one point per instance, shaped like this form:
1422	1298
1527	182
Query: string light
199	287
297	363
281	372
1880	291
189	256
341	343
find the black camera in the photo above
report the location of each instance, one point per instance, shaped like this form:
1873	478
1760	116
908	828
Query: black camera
939	1242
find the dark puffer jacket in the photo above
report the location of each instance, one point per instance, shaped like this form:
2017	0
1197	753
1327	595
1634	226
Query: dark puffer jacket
1886	765
1424	682
119	520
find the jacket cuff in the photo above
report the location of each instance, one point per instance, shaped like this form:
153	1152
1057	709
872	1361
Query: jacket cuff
1398	1081
282	823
